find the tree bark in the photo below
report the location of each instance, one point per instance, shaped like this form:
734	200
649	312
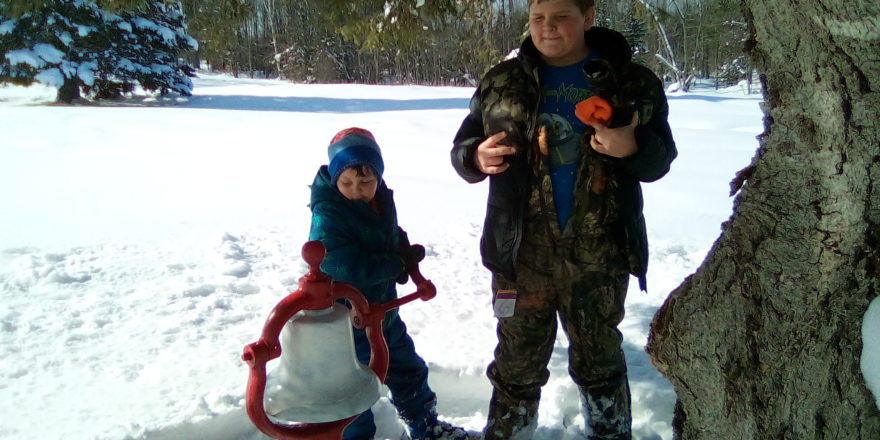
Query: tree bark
68	91
764	340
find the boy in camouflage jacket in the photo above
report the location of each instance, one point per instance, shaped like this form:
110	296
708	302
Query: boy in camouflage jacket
564	226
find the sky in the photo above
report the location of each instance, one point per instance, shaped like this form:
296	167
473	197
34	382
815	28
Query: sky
144	242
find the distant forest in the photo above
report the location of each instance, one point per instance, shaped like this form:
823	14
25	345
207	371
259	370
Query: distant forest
105	48
447	42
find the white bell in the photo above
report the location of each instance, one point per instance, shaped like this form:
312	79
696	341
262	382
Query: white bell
319	378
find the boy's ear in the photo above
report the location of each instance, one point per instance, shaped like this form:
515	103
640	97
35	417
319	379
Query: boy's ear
590	18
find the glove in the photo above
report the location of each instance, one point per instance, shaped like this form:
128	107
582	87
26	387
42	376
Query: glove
410	255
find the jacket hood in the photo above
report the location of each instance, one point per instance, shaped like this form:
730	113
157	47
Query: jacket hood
324	190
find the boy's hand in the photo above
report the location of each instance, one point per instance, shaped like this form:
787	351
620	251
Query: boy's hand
616	142
489	156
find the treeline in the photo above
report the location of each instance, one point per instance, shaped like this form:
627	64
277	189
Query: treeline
104	48
446	41
370	41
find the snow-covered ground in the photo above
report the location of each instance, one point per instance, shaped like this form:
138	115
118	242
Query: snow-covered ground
143	245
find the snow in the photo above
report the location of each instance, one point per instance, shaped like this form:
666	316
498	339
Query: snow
37	57
48	52
144	23
168	35
673	87
50	77
86	72
65	38
25	56
191	42
160	68
82	31
124	64
870	361
143	245
7	27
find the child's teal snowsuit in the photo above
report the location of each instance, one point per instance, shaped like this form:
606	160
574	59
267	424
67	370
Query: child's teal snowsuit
362	250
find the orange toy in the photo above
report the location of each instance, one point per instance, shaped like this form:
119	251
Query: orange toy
593	110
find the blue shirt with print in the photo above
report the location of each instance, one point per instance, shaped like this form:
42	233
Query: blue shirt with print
562	87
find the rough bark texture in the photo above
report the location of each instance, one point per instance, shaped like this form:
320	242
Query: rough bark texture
763	341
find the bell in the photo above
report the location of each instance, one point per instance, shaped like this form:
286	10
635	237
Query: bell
319	378
319	387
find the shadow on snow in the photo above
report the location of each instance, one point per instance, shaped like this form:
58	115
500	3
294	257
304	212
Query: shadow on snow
319	104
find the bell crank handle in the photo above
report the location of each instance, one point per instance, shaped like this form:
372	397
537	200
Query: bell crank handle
425	290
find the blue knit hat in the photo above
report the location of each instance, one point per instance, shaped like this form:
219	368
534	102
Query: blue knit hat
354	147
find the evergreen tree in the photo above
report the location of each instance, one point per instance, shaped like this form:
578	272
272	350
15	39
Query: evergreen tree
75	45
217	24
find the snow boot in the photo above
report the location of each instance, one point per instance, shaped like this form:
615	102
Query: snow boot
441	430
428	427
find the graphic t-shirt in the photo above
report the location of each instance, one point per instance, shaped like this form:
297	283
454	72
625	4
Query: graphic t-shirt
561	89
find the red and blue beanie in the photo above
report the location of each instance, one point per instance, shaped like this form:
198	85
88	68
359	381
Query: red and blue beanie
354	147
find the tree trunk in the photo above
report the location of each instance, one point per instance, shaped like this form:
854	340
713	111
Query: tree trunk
68	91
764	340
663	37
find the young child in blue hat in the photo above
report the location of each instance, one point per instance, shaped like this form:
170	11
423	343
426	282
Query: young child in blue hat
354	216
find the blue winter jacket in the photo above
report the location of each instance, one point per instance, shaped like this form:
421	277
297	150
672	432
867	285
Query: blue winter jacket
362	245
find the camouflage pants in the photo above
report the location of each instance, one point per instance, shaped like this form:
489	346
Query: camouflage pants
589	307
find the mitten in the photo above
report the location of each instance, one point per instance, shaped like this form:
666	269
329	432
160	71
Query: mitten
411	256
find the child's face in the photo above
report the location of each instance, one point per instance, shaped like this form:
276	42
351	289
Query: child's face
358	184
557	28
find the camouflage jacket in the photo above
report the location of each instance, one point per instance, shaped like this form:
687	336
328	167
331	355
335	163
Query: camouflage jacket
507	99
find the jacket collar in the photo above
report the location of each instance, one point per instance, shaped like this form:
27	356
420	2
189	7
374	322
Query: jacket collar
609	44
323	190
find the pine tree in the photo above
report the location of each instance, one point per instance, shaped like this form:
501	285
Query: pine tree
77	46
217	24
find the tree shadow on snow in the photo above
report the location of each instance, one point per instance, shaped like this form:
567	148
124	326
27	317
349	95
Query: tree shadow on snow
318	104
696	96
272	103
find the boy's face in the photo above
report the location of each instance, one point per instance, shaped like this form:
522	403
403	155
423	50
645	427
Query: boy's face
557	28
358	184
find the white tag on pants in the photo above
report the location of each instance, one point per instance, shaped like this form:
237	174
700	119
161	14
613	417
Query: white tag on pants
505	303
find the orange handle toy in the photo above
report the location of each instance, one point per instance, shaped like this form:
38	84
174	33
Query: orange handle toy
593	110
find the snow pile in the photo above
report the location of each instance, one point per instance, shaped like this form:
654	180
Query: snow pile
870	361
